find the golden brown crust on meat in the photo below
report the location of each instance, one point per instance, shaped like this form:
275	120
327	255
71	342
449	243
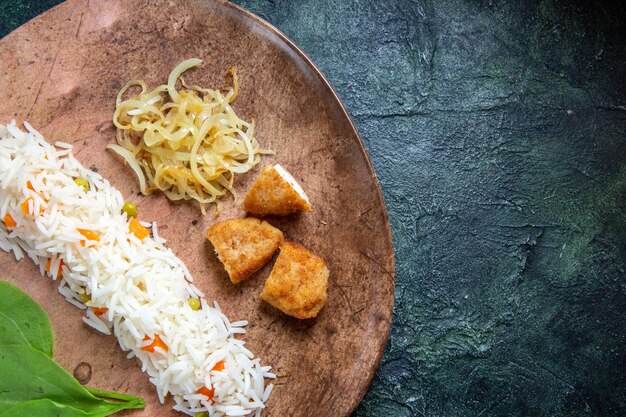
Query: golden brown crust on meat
244	245
298	283
271	194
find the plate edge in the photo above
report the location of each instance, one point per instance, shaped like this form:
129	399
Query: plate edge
370	167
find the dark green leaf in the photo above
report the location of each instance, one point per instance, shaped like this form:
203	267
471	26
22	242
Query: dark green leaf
22	321
27	376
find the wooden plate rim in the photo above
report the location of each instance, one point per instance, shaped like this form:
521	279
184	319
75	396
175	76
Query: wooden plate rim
331	92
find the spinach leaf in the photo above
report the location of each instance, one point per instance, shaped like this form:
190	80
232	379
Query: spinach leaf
43	408
22	321
31	383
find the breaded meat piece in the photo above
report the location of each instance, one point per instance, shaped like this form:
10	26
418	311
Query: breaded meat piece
298	283
276	192
244	245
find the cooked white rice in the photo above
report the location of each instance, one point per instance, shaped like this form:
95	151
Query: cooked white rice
142	283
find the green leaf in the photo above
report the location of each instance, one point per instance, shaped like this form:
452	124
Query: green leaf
28	377
22	321
46	408
43	408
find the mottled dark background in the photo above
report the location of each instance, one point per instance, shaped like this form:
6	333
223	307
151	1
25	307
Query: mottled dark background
498	132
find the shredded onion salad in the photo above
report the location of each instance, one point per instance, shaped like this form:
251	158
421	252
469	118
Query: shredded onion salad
188	143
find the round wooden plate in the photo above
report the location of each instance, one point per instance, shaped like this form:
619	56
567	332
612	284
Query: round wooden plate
62	71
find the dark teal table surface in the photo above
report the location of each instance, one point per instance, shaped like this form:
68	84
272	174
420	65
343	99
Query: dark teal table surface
498	132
